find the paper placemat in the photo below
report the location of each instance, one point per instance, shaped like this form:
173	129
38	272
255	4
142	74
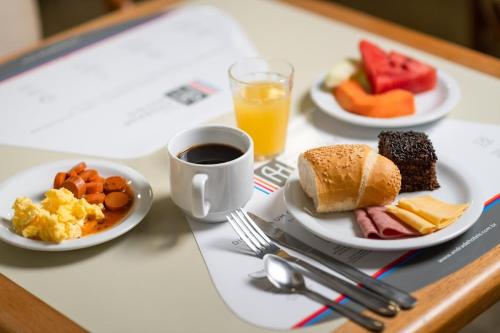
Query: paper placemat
230	262
123	92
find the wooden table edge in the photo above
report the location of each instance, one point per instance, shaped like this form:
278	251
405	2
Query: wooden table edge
17	318
21	311
450	303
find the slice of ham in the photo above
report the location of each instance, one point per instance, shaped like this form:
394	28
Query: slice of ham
368	229
374	222
387	225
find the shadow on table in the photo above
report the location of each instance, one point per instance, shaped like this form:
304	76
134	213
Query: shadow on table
18	257
159	231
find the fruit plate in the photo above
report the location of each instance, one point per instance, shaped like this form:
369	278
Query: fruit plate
34	182
341	228
429	106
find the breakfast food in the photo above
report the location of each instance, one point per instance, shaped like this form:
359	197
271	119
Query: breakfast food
413	220
345	177
395	103
438	212
340	72
427	214
60	216
76	185
381	85
375	223
415	157
59	179
81	203
116	200
115	183
393	70
88	184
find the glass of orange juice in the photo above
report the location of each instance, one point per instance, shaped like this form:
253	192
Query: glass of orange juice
261	94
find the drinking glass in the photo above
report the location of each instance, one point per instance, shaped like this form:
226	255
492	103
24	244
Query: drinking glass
261	93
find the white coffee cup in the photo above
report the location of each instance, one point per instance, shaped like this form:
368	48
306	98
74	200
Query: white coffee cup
208	192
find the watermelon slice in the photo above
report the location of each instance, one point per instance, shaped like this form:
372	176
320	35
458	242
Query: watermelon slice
393	70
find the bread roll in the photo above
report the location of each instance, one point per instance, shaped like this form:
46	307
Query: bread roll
345	177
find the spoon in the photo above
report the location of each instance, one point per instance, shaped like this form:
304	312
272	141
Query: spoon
285	277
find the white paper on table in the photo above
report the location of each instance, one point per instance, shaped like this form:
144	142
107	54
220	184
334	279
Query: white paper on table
110	98
230	262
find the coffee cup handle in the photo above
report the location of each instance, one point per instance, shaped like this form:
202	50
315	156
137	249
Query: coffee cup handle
199	206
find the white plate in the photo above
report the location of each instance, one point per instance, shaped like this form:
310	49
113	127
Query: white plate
342	228
34	182
429	106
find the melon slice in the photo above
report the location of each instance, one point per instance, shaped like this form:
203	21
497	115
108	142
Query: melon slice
393	70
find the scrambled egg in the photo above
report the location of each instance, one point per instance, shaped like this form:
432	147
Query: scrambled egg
60	216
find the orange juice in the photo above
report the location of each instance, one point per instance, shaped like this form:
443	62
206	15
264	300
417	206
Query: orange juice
262	111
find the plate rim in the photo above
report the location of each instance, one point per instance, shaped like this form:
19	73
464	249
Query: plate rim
475	210
399	122
135	217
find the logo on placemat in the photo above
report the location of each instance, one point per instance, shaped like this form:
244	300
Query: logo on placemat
275	172
191	93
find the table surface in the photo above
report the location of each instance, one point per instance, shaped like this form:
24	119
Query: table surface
154	277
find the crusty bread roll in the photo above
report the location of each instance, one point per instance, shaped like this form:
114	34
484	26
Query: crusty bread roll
345	177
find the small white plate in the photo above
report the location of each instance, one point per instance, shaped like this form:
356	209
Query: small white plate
342	228
34	182
429	106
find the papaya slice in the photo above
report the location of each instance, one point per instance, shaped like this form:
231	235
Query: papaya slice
395	103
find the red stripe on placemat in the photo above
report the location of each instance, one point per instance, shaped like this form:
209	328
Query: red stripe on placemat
202	87
263	186
392	264
490	201
316	313
274	187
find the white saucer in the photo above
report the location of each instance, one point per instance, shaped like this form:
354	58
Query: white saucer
34	182
429	106
341	228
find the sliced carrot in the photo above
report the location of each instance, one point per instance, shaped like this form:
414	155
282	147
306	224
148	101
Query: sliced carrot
115	184
94	187
116	200
59	179
95	198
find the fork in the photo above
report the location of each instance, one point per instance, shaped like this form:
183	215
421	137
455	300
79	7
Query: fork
261	245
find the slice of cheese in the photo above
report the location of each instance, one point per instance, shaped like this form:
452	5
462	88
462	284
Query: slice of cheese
437	212
413	220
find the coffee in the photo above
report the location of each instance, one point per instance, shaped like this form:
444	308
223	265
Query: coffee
210	153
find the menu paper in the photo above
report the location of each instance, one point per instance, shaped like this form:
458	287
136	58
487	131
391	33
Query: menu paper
230	262
126	95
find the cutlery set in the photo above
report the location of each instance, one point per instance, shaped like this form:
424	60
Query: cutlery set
286	272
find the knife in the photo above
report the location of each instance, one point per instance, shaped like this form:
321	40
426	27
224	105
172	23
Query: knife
401	298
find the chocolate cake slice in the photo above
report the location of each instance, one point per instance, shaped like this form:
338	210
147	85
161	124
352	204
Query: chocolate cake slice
415	157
